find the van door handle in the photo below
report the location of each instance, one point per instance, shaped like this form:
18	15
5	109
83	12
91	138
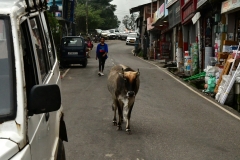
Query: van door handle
47	115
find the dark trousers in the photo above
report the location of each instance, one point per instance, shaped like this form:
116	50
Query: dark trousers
101	61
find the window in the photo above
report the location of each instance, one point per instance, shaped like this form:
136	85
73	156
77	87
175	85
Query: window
7	72
40	48
49	40
30	69
73	41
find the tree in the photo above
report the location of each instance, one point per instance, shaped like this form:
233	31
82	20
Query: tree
129	21
100	15
125	21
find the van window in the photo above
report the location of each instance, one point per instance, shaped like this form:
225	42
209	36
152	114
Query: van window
30	69
39	46
7	72
72	41
49	39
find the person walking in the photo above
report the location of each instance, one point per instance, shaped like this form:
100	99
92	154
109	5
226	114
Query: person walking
101	55
89	46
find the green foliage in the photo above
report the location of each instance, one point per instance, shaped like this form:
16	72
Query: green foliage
140	54
100	15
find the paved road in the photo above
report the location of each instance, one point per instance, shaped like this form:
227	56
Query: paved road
169	122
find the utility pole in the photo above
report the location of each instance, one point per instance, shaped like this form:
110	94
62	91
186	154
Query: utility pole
87	17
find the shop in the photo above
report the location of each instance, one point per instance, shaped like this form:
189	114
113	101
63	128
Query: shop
174	21
163	43
190	40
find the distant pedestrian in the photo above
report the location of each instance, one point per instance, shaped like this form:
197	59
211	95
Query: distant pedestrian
101	55
89	46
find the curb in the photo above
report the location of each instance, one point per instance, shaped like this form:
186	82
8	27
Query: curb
222	107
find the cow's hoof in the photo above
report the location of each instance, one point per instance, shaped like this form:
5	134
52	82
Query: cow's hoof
115	123
119	128
128	131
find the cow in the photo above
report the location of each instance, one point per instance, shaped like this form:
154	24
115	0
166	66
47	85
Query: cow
123	84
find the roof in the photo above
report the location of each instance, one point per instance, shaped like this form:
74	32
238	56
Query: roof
138	8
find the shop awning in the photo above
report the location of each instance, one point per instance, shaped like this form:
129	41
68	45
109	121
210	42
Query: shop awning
138	8
160	21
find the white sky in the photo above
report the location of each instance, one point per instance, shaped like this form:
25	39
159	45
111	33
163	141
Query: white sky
123	6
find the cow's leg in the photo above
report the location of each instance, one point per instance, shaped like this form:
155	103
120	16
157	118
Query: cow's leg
128	130
115	110
120	115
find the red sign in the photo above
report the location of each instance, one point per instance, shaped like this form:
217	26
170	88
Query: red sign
188	10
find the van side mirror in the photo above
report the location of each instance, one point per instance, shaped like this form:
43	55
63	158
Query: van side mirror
44	99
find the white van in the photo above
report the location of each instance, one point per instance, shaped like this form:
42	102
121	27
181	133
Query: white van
31	116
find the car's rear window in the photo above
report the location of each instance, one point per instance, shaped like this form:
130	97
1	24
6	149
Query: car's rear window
73	41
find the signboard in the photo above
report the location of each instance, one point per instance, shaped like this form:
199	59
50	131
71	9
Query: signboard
170	2
188	10
196	17
229	5
200	3
161	10
149	23
58	3
155	18
174	14
70	11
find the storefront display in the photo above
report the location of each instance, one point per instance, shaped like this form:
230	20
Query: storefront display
164	50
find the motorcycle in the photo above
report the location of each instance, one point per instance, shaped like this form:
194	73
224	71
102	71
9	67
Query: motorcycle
96	39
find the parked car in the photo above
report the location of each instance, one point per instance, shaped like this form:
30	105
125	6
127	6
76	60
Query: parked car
116	32
31	114
123	35
73	51
105	33
131	38
111	35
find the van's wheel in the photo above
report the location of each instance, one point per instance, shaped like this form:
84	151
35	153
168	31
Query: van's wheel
61	151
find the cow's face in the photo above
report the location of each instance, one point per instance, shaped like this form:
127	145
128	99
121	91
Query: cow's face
130	80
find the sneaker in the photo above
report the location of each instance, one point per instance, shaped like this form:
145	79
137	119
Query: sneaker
99	73
102	74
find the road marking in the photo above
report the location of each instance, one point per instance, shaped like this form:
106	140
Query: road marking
64	74
214	103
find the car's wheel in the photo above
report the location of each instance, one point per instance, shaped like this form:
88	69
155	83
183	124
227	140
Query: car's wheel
63	64
84	65
61	151
126	44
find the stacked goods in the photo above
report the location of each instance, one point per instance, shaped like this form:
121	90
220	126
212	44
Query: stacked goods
179	57
187	62
194	57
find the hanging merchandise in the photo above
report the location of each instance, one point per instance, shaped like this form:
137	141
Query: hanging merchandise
187	62
194	57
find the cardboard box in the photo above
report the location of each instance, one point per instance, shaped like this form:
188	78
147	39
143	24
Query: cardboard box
229	43
222	55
